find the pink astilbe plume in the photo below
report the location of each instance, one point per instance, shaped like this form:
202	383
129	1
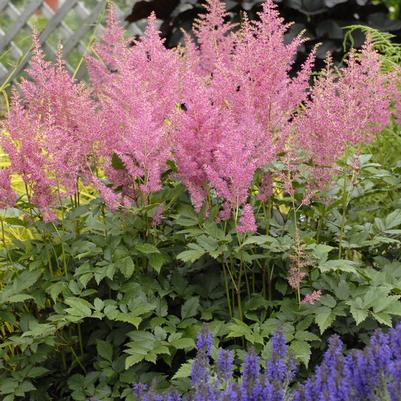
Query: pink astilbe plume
197	131
7	196
51	130
137	90
225	107
344	109
239	113
213	35
247	223
312	298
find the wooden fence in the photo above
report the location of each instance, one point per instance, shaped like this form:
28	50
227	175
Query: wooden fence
69	22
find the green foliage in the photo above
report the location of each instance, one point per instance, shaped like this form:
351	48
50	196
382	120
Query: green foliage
100	300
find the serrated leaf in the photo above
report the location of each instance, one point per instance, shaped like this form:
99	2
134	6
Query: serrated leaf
347	266
131	318
85	278
383	318
190	307
191	255
19	298
79	307
98	304
359	315
126	266
301	350
324	318
133	359
184	371
105	350
306	336
183	343
256	239
393	219
146	248
37	371
156	261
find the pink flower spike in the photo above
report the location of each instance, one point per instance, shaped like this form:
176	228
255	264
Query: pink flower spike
247	223
312	297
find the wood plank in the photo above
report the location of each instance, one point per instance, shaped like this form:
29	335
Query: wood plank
57	19
85	26
19	23
3	4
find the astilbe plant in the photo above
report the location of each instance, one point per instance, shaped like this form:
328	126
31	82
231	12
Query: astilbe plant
50	134
136	86
372	374
222	108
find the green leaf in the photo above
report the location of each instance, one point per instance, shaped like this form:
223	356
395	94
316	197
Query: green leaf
116	162
184	371
56	289
238	329
79	307
256	239
393	219
207	243
19	298
133	359
383	318
301	350
183	343
105	350
131	318
191	255
358	314
394	308
85	278
324	318
98	304
146	248
37	371
156	261
321	251
190	307
126	266
347	266
306	336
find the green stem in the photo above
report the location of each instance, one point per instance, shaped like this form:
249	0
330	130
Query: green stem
78	360
344	206
63	228
227	290
81	346
49	261
239	301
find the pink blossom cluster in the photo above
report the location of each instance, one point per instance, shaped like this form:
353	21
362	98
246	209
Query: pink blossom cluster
49	135
312	298
222	107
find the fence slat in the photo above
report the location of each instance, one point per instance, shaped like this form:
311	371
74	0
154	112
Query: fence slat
72	40
20	22
57	19
3	4
81	31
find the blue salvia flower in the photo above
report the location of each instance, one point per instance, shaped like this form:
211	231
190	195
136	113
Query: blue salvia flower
251	385
373	374
200	367
204	341
394	382
225	364
276	368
